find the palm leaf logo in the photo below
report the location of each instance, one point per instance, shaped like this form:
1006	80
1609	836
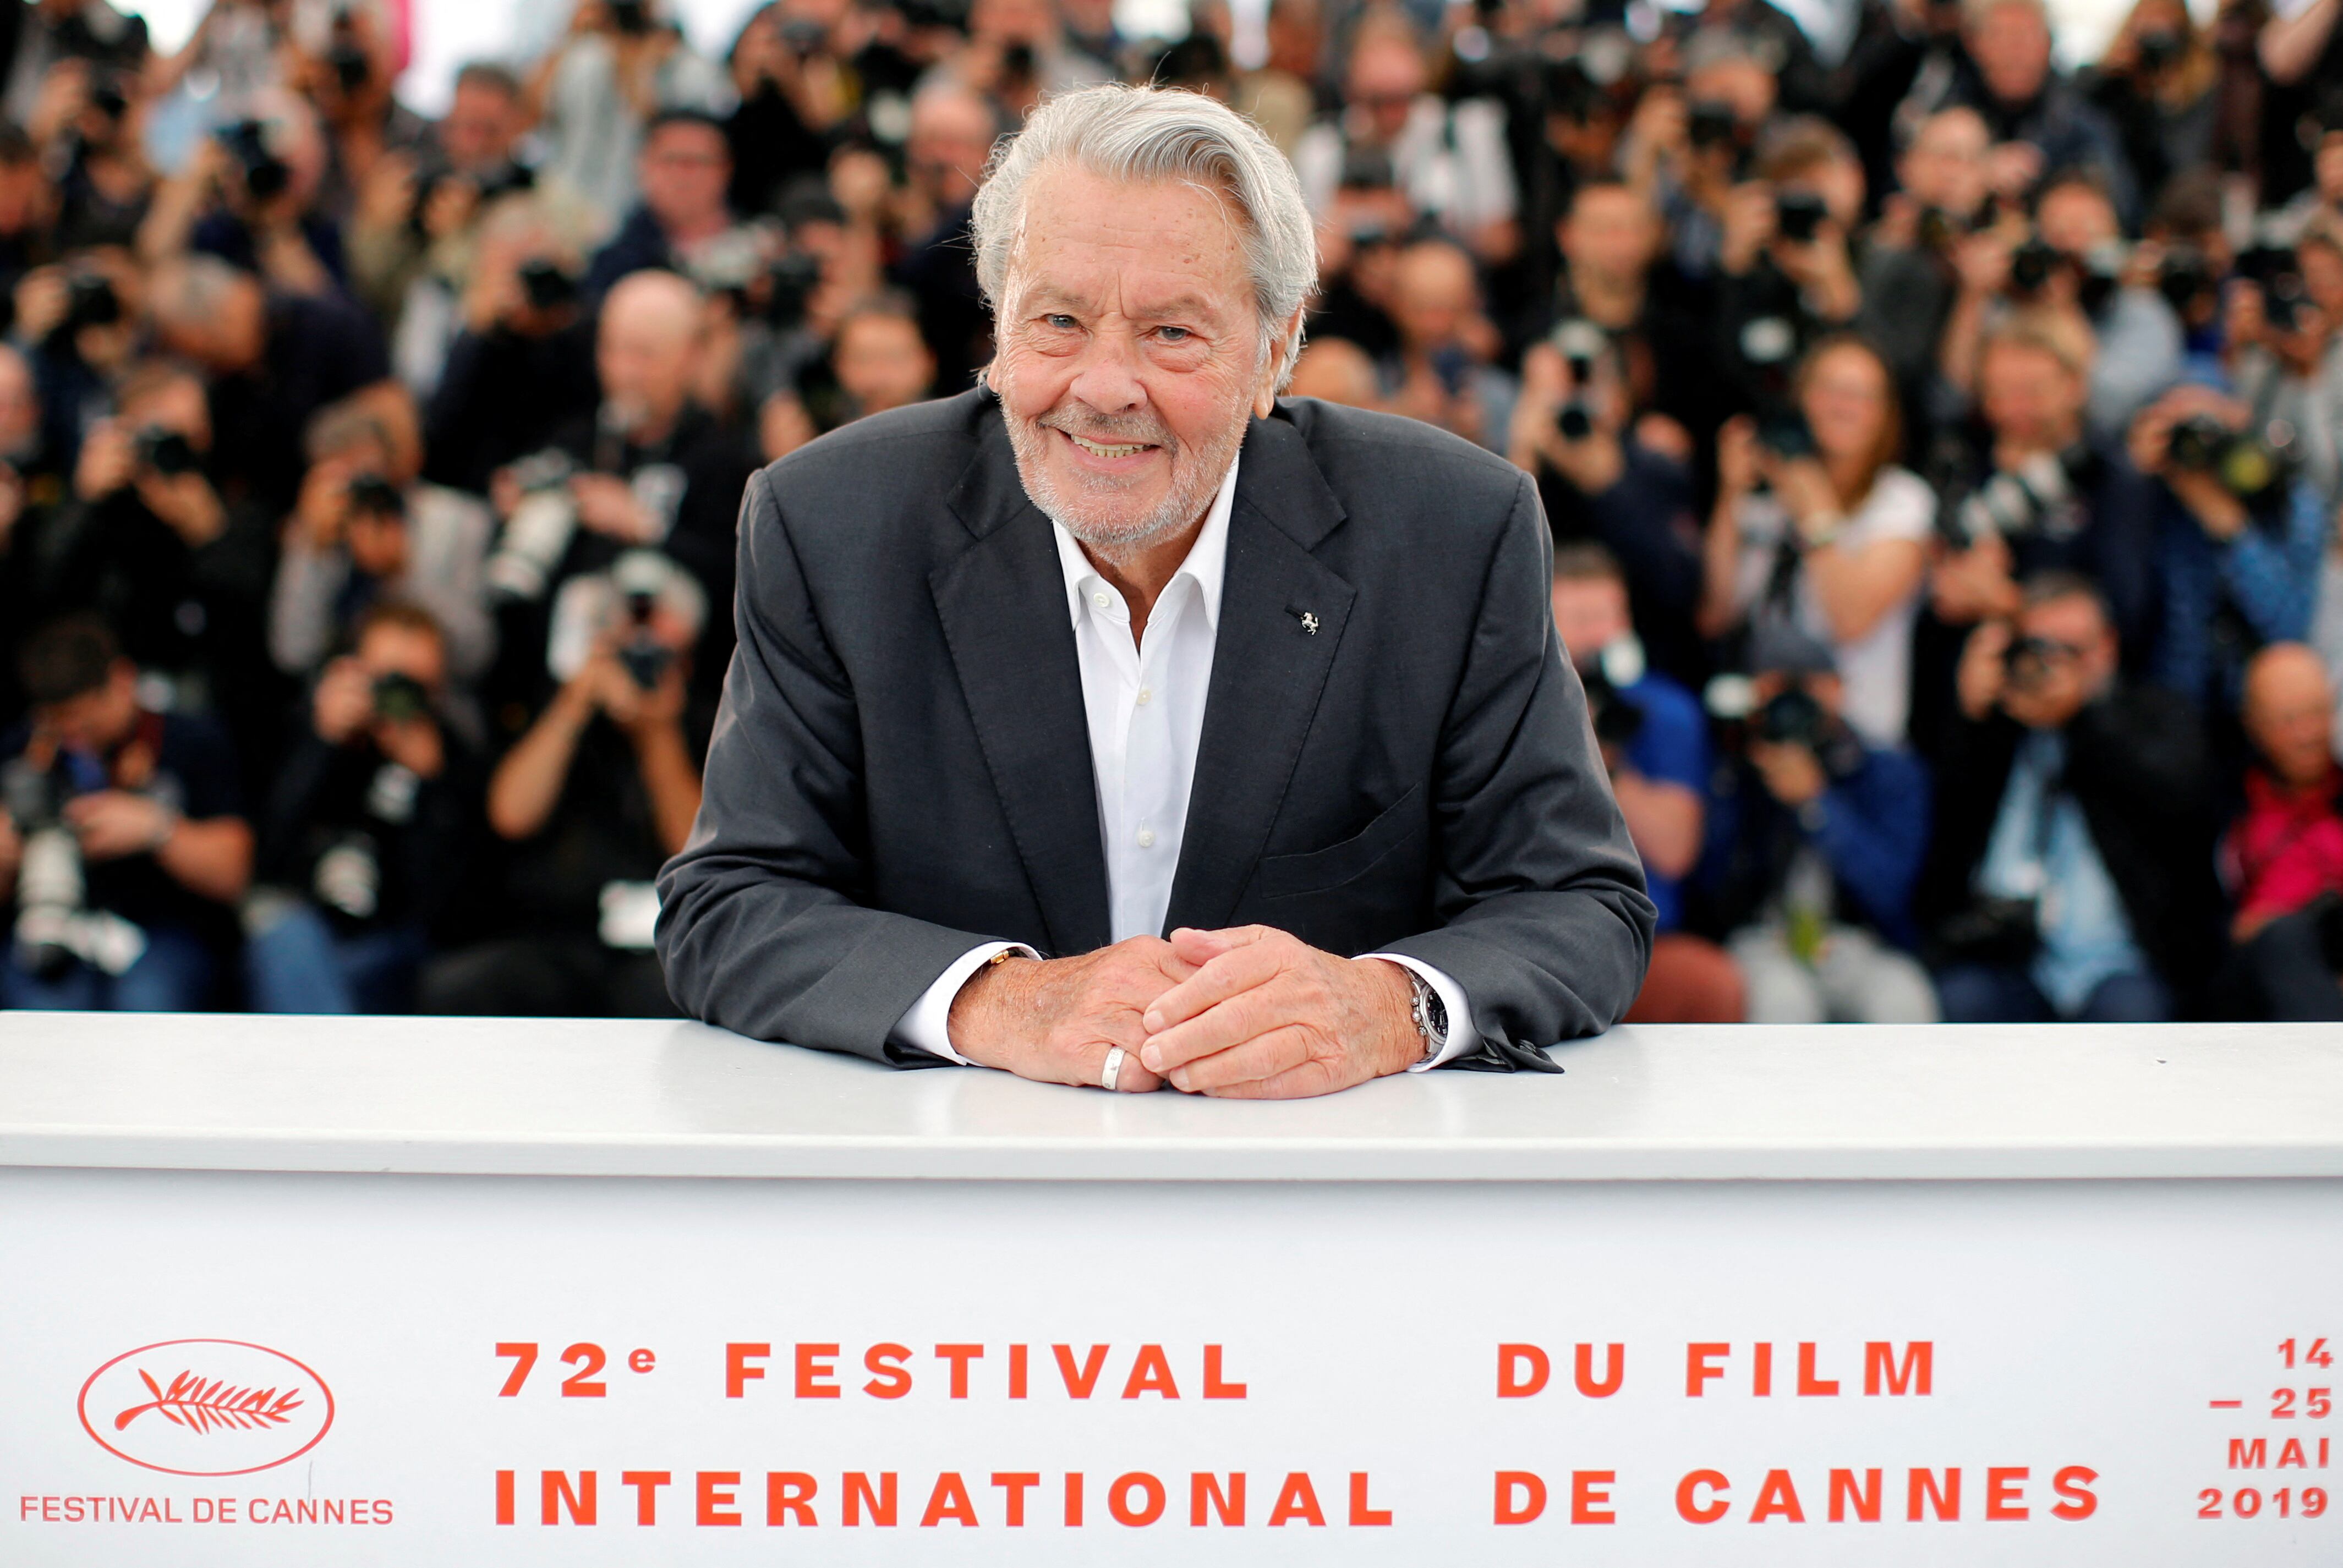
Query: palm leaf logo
203	1407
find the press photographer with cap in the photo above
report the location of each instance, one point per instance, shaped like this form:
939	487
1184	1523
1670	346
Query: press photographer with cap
1118	722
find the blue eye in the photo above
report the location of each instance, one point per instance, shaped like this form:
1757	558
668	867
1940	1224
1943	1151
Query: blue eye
1173	334
1059	320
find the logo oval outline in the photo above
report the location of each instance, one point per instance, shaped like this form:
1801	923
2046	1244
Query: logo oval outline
81	1406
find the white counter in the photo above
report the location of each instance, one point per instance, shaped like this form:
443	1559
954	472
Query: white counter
553	1097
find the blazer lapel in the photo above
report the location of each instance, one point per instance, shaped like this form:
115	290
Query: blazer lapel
1281	620
1002	603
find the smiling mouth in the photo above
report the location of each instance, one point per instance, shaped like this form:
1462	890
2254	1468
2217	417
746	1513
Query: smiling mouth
1101	450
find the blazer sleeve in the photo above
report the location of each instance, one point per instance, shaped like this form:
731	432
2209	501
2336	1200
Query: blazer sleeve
759	928
1539	893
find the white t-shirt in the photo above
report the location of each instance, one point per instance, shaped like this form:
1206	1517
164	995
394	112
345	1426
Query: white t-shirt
1876	670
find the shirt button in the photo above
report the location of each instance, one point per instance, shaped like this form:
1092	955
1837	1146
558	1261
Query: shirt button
1146	695
1147	837
1101	598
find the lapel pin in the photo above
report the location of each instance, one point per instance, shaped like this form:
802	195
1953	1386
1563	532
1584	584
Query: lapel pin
1310	623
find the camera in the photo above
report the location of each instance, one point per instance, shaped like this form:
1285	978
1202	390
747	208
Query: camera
2157	49
2187	281
2254	467
2027	661
537	534
400	698
1792	716
1367	169
264	174
632	17
804	35
348	880
1798	215
90	301
376	496
1770	345
1940	231
2039	498
788	285
1712	123
1580	343
640	575
49	885
107	97
2032	265
2276	271
547	285
1616	666
165	451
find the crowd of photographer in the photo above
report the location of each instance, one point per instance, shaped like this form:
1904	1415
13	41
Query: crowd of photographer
1943	453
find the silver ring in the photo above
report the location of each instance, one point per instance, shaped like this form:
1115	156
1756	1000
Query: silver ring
1113	1068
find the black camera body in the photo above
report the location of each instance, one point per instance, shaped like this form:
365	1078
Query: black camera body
376	496
400	698
2032	265
165	451
266	175
1798	215
2253	467
631	18
547	285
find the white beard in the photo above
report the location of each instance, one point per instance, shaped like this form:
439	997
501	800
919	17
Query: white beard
1093	517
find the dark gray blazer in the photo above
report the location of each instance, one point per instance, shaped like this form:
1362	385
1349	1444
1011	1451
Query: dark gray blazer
901	768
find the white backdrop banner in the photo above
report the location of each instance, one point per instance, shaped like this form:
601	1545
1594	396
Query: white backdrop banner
322	1370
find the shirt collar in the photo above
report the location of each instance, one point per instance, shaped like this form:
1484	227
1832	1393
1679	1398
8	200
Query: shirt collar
1207	562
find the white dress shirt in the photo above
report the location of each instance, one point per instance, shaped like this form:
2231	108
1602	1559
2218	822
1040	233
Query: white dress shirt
1145	704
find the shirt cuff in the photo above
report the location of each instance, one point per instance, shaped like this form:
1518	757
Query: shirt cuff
925	1024
1463	1038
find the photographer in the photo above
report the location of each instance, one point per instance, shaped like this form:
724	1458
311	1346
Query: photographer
523	366
1654	744
1835	547
2028	495
592	800
415	209
792	92
367	829
1599	482
1440	373
2156	85
273	358
2071	872
147	541
952	132
77	326
2242	537
1815	840
1786	262
649	469
2040	124
248	195
1909	279
2282	859
1450	161
90	127
621	63
687	167
122	848
364	533
2284	355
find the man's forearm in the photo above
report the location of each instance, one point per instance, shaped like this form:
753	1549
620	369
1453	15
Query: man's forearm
528	782
212	858
673	781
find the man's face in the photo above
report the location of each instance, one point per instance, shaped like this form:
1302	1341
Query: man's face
882	362
1609	232
1589	612
2031	400
1131	354
1386	77
2290	715
378	542
177	405
1434	296
644	354
480	128
389	648
1748	85
99	720
2011	46
2074	219
951	138
2066	659
1945	165
686	168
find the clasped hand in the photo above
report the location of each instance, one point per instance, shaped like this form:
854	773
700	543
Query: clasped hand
1251	1013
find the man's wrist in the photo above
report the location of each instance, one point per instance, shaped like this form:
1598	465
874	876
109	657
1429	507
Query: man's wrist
967	1024
1404	1043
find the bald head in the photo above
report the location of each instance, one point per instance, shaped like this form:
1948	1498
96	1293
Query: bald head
647	347
1434	292
2289	712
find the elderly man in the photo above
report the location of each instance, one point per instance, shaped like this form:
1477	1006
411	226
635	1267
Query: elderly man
1121	660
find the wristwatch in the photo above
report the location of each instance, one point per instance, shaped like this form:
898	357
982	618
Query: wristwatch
1431	1015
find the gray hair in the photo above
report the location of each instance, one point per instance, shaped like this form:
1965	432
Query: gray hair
1163	134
